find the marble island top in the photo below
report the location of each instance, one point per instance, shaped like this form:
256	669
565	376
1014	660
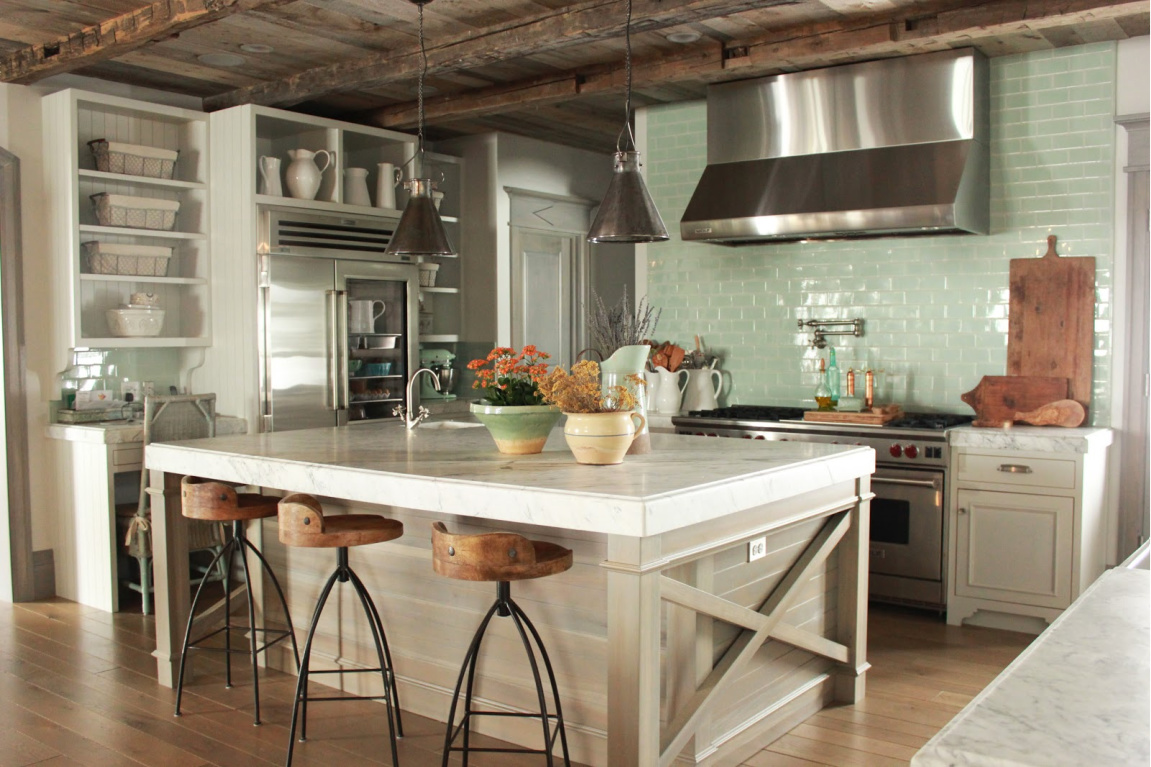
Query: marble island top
683	481
1077	696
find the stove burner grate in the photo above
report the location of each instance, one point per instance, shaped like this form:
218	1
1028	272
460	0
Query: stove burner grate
925	421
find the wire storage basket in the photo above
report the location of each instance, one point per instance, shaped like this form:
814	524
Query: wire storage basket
120	258
135	212
133	159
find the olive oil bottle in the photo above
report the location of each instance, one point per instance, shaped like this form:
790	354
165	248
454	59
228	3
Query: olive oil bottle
823	391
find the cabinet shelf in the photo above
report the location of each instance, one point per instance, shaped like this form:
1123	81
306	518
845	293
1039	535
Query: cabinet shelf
144	279
159	234
117	342
439	338
124	178
325	206
439	290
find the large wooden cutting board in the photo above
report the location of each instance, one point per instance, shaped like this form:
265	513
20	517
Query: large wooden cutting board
1052	322
997	399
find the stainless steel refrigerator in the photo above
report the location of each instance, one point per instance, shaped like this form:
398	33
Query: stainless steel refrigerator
319	365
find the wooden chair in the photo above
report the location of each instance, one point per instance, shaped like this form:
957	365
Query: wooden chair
215	502
302	523
501	557
168	418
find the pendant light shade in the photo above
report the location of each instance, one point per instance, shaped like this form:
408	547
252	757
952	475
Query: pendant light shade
627	213
420	231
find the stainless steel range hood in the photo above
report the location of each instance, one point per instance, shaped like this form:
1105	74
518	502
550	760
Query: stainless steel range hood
892	147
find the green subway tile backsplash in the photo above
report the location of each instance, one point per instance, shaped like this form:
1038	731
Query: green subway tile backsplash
935	308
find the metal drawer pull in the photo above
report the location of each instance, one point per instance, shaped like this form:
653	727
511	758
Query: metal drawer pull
1015	468
963	511
912	482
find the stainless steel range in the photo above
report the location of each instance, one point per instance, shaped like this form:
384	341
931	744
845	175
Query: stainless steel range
908	514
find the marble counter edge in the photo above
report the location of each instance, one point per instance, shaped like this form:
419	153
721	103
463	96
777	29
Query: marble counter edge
943	750
127	432
1038	439
600	512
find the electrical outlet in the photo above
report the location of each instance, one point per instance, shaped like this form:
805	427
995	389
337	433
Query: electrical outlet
756	549
130	387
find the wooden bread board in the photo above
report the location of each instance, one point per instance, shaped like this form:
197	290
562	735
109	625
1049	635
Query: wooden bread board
997	399
1051	327
877	416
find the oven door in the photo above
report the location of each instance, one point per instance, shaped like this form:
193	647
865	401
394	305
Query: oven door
907	523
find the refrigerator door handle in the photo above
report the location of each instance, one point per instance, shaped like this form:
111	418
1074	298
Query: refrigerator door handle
342	353
332	299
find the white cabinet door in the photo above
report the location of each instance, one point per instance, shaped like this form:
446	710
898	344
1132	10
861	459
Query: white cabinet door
1014	547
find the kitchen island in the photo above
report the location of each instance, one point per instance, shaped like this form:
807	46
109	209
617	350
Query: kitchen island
666	639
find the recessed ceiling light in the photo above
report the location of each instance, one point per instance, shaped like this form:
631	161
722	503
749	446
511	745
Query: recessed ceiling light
687	36
221	59
256	48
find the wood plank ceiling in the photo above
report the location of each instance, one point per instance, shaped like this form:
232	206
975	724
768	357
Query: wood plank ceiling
545	68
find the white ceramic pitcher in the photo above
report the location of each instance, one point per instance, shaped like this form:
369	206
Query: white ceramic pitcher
625	361
388	176
362	315
703	387
303	175
356	187
669	391
270	177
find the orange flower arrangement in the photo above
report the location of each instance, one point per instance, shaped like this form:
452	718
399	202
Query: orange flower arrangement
580	392
512	379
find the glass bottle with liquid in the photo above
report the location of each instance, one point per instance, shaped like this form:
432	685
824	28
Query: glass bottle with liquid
823	391
833	379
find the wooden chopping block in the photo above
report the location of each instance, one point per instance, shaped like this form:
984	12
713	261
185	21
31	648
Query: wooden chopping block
1051	328
997	399
1065	412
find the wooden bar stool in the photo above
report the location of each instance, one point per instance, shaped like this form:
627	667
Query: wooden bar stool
501	557
209	501
302	523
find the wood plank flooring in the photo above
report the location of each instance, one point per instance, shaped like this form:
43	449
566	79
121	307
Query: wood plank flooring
78	688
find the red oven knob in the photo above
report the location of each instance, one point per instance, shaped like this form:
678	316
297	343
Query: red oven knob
760	436
911	451
895	450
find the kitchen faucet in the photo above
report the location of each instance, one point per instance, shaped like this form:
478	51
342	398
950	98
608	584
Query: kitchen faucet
404	411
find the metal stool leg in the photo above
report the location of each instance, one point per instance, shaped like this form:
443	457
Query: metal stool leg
238	534
279	593
188	630
518	615
301	699
381	642
385	669
467	666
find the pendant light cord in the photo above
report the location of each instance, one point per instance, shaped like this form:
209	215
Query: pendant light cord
423	74
627	98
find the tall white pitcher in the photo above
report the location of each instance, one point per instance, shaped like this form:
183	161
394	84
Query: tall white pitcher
703	387
388	176
625	361
270	177
669	392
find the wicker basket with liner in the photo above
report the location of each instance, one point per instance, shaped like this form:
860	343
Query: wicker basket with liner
133	159
135	212
122	258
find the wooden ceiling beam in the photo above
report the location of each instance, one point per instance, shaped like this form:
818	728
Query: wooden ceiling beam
117	36
551	30
791	49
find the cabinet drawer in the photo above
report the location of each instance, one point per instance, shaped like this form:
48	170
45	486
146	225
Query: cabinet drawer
123	457
1051	473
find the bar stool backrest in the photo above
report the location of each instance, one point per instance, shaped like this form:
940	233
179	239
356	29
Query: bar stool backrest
301	517
494	556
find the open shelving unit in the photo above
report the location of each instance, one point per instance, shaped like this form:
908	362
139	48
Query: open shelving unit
72	118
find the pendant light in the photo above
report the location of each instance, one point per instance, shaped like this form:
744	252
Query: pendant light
627	213
420	231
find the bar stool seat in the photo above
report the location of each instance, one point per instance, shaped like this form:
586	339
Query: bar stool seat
303	524
501	557
210	501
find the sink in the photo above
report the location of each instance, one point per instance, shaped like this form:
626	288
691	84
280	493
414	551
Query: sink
448	425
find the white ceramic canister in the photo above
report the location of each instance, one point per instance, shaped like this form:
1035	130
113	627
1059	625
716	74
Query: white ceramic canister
703	387
356	187
670	390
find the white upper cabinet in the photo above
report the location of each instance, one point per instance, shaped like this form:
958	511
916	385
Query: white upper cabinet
111	224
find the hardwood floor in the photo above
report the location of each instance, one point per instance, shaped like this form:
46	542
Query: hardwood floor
78	688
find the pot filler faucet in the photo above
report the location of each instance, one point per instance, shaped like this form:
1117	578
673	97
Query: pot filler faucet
405	411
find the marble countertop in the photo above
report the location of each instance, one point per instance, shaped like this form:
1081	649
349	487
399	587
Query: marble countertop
125	432
1036	439
683	481
1077	696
